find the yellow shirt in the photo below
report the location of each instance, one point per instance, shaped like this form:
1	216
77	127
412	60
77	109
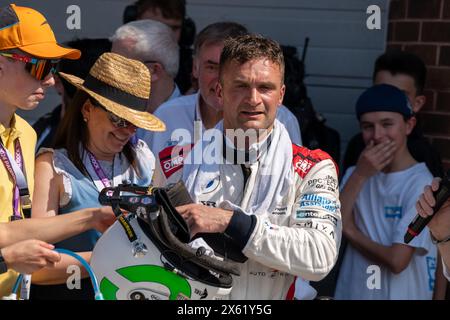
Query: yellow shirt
27	136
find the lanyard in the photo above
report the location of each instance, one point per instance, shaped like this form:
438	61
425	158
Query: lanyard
139	249
103	181
15	168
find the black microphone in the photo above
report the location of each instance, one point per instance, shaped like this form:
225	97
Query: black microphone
441	195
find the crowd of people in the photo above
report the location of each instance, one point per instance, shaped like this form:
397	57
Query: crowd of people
141	108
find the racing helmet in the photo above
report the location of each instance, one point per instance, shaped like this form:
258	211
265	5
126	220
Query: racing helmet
146	255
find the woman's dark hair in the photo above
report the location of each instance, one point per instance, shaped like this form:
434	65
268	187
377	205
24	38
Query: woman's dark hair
73	130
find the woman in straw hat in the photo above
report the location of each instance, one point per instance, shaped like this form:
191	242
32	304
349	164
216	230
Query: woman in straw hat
94	148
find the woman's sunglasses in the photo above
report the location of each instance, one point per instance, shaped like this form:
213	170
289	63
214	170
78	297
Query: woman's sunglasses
115	120
38	68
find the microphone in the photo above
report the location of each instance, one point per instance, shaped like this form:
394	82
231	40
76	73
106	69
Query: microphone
418	224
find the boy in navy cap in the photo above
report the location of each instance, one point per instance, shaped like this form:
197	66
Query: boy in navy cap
378	202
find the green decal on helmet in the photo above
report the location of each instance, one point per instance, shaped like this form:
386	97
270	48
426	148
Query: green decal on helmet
108	289
148	273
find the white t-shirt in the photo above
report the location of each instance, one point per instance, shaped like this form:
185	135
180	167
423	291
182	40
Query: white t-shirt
182	112
383	210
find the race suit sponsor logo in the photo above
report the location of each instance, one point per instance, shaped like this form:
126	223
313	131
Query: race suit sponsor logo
279	211
314	200
393	212
277	273
310	214
171	158
302	166
271	274
314	224
328	183
209	203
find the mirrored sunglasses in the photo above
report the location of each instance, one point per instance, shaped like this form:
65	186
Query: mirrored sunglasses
38	68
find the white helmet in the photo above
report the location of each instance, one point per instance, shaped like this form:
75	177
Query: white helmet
143	258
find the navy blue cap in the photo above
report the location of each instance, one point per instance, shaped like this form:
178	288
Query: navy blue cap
383	97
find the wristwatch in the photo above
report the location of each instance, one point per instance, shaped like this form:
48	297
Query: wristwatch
3	266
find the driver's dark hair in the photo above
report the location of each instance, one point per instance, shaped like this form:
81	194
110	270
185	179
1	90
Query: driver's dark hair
249	47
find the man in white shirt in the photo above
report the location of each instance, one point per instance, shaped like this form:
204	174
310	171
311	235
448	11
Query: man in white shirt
259	197
154	44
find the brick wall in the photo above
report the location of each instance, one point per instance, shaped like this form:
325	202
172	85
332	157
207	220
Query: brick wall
423	27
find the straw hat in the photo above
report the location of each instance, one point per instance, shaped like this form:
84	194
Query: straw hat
122	86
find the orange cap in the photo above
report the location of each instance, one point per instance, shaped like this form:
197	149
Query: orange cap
28	30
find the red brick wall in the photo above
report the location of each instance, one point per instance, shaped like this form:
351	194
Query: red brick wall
423	27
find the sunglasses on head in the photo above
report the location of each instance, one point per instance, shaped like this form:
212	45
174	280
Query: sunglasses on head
115	120
38	68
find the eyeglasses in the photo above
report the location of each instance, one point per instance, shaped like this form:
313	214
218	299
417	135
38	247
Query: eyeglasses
117	122
38	68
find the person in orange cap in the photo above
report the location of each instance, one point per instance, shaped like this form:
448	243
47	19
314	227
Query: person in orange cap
28	56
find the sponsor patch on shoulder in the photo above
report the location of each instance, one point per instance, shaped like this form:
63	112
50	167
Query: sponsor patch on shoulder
304	159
